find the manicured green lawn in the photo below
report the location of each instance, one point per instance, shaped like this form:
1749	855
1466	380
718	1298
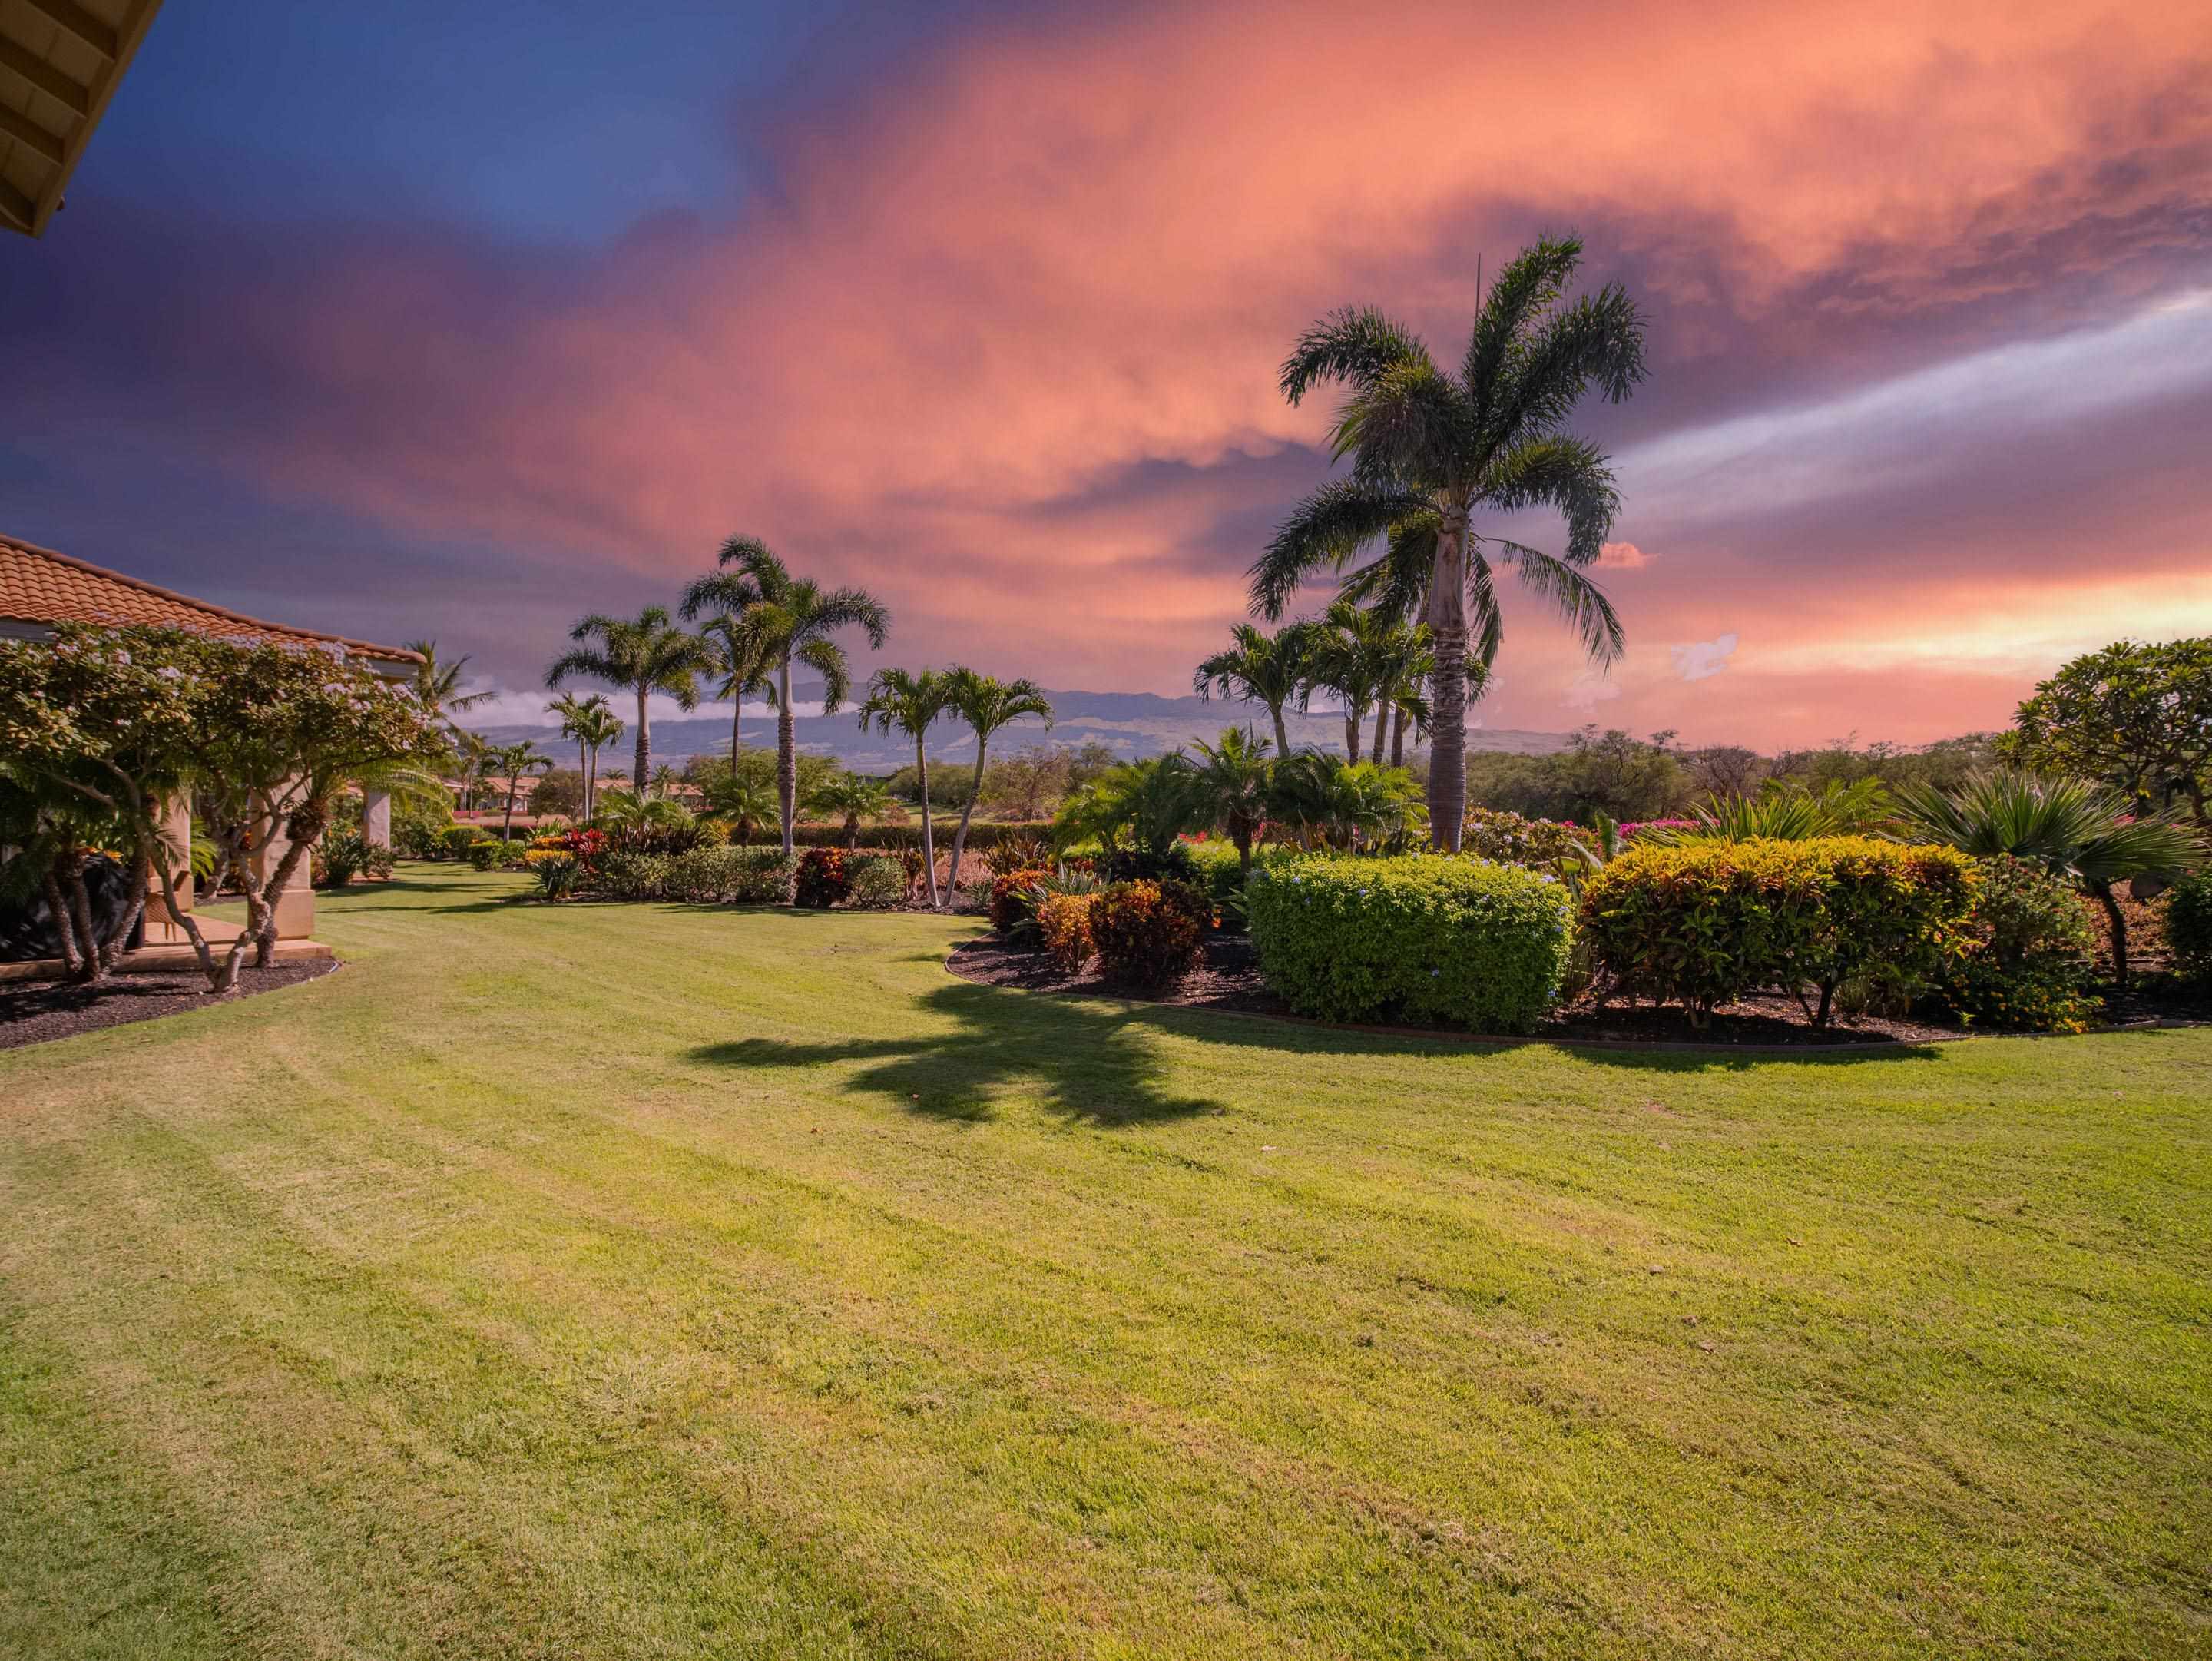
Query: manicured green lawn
644	1281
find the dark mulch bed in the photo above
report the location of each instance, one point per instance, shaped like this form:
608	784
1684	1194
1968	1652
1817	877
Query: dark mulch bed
1230	980
34	1012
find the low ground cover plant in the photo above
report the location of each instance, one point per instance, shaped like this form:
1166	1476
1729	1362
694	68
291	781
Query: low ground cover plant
1702	923
1148	933
1421	938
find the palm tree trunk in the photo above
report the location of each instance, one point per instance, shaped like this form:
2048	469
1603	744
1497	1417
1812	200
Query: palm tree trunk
1282	731
644	747
1352	712
960	837
928	843
591	783
737	722
786	754
1448	736
507	824
1382	724
1398	736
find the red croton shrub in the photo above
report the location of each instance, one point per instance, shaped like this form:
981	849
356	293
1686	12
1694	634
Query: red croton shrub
823	879
1147	933
1006	891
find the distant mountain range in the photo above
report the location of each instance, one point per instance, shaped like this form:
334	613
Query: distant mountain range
1133	724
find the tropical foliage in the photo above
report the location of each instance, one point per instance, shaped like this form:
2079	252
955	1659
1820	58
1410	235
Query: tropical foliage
1429	446
643	655
2137	717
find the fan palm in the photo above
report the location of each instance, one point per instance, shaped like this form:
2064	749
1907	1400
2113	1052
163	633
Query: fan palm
2087	833
1428	447
644	654
1235	778
986	704
439	685
909	702
513	762
1276	670
795	619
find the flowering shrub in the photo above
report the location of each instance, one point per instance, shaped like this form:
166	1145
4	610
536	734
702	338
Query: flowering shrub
707	876
555	869
822	879
1064	925
2189	928
875	882
1009	894
2030	953
1704	922
1632	828
1148	933
1421	938
1492	833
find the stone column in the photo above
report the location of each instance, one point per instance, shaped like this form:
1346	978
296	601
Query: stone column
376	817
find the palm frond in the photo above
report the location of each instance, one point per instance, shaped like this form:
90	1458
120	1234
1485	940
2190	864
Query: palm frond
1323	532
1572	592
1356	345
1530	284
1569	474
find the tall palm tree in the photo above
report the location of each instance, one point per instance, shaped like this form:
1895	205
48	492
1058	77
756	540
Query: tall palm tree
1428	446
1275	670
2089	834
578	718
644	654
742	664
513	762
474	750
601	727
439	685
909	702
986	704
794	618
1235	780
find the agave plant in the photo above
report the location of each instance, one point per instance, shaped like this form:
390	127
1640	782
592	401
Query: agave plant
2089	834
1068	879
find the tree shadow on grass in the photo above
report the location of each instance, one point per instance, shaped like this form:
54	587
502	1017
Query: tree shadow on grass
1091	1064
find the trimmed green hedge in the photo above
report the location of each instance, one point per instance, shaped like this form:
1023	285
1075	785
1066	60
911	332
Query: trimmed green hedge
1422	938
1704	922
742	876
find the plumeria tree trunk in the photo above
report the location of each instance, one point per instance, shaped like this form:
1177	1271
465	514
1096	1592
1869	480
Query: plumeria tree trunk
1448	739
967	811
928	841
302	826
786	754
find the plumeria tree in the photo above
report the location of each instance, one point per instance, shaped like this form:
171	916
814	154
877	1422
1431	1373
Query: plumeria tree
2138	717
1428	446
265	736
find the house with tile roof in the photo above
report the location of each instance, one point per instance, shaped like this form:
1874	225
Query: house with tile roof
41	588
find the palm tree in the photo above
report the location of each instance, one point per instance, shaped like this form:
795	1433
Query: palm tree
1332	803
986	704
741	660
794	618
909	702
644	654
666	778
2089	834
593	723
1276	670
1235	779
1428	447
474	751
439	685
511	762
1357	654
744	804
852	798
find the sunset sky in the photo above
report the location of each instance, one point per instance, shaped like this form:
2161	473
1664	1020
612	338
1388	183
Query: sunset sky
431	319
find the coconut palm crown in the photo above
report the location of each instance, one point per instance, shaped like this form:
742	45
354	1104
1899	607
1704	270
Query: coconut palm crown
644	654
986	704
1428	446
795	619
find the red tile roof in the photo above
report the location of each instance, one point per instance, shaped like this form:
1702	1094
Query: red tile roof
38	585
